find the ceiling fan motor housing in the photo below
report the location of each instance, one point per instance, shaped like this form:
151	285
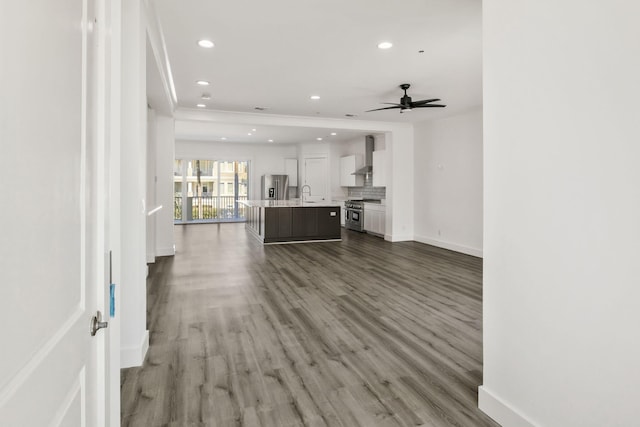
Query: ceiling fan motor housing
407	104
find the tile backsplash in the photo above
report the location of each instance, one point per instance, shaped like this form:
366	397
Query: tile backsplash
368	191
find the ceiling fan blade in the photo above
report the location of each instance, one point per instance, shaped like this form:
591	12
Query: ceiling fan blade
424	101
406	104
384	108
428	106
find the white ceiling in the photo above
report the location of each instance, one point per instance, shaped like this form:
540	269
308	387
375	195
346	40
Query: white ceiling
275	54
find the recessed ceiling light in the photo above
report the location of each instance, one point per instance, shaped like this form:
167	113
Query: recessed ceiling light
319	139
206	43
203	83
270	140
253	130
224	138
206	96
201	106
385	45
314	97
333	134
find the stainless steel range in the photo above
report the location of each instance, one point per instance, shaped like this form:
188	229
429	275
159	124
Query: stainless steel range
354	218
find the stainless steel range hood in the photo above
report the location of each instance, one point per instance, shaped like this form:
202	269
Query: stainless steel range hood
368	157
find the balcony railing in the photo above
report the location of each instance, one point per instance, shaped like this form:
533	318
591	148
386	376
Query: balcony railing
216	208
177	208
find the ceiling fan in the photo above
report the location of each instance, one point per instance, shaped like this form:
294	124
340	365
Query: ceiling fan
407	105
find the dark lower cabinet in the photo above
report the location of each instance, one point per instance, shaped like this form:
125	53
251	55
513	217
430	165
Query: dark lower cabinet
304	222
277	223
301	223
284	222
329	222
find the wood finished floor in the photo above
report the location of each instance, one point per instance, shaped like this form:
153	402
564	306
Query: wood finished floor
354	333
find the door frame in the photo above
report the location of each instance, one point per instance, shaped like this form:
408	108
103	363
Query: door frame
112	41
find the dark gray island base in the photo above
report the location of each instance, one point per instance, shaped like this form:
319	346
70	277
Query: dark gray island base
292	222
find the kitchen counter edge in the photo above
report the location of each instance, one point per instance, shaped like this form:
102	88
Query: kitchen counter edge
288	204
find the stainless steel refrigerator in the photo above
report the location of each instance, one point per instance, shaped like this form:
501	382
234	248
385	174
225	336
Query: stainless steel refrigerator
275	187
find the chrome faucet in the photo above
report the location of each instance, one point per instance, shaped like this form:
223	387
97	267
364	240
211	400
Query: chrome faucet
302	192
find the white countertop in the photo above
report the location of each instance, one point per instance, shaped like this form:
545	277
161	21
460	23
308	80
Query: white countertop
289	204
382	202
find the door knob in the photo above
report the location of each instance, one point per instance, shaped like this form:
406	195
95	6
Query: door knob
97	323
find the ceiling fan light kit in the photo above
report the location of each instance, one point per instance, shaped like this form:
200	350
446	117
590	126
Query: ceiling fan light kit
406	104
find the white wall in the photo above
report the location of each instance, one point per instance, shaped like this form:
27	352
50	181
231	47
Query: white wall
562	213
151	202
264	159
400	184
448	182
134	336
165	148
159	183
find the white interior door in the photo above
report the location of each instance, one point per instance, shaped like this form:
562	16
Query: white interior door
53	217
316	176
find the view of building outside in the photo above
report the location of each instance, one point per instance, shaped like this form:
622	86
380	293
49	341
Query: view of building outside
177	189
209	190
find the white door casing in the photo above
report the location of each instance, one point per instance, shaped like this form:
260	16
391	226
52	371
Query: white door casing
54	240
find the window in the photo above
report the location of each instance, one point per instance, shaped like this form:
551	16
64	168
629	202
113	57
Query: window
209	190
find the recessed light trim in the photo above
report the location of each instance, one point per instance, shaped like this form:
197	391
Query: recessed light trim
207	44
203	83
249	133
253	130
385	45
333	134
224	138
319	139
270	140
201	106
314	97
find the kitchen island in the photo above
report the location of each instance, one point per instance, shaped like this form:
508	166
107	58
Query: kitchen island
293	221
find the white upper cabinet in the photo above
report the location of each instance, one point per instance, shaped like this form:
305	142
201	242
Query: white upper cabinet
379	168
348	165
291	169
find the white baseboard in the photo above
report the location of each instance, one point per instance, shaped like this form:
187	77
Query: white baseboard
451	246
166	251
398	237
500	411
134	356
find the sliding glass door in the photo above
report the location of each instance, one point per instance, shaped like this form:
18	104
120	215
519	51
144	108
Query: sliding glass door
209	190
